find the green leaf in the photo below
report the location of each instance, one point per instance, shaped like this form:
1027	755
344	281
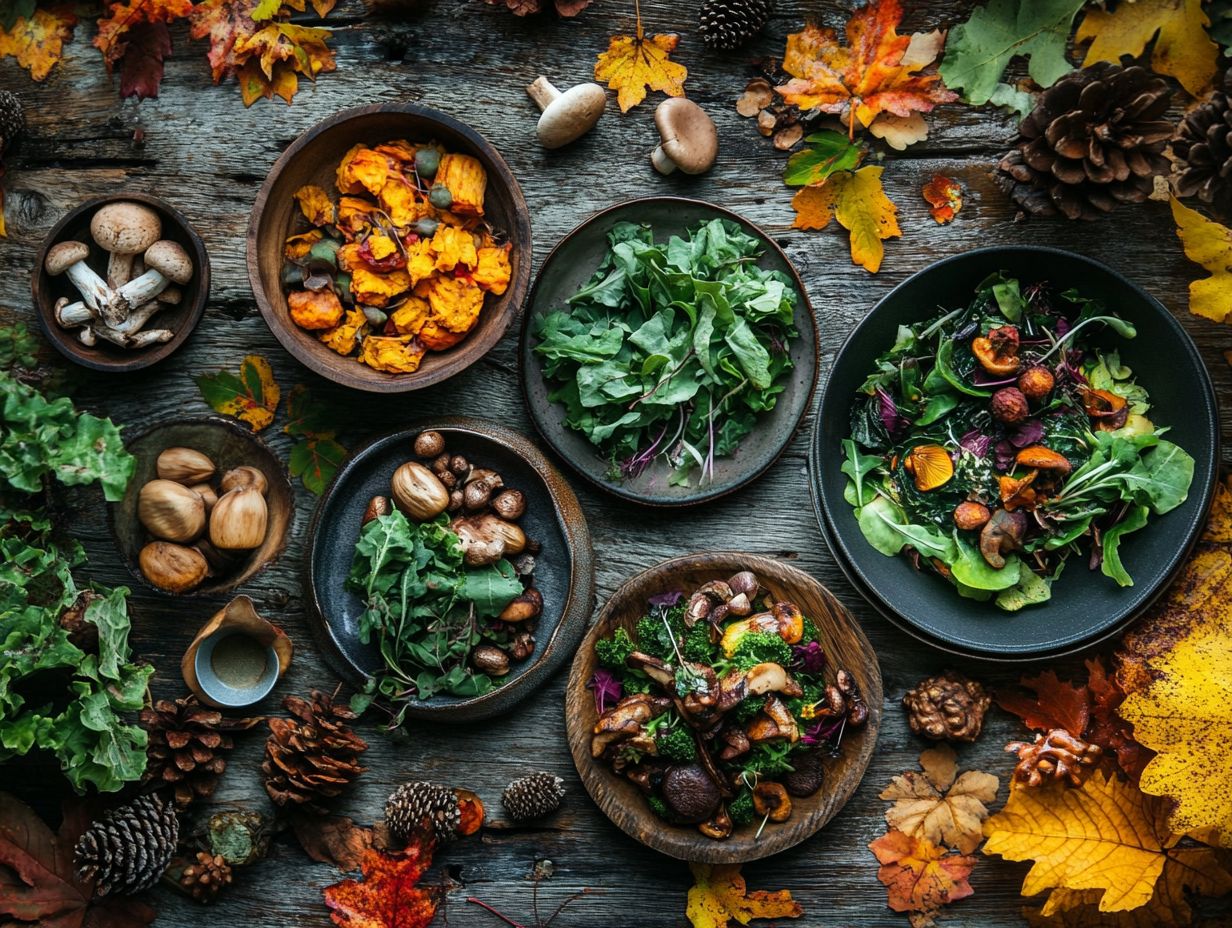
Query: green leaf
970	569
945	369
315	461
828	151
857	466
251	396
978	51
1111	566
1030	590
491	588
1162	476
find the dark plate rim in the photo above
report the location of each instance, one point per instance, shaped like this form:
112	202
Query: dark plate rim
1075	643
538	415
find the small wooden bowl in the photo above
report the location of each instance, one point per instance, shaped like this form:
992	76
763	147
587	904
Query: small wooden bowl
181	318
313	159
845	646
228	444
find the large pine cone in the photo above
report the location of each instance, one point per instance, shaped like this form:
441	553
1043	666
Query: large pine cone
1095	140
313	755
532	797
187	744
415	807
128	849
1203	152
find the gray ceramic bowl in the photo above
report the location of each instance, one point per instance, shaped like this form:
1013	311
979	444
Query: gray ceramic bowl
564	568
569	266
1086	606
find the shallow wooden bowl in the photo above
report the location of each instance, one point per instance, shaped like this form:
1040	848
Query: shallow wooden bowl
181	318
845	645
313	159
228	444
564	566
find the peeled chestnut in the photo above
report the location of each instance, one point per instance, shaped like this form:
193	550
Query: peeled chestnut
244	476
239	520
170	510
509	504
418	492
489	659
173	568
184	465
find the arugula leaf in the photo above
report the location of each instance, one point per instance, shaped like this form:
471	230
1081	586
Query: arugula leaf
1111	566
857	466
1162	476
491	588
1030	590
971	570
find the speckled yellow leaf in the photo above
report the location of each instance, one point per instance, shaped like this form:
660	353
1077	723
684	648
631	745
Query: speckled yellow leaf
719	896
858	201
1182	48
634	64
251	396
1209	244
37	42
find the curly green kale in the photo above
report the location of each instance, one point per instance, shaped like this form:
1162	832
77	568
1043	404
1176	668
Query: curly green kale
697	645
746	709
741	808
761	648
810	632
635	682
673	741
612	652
653	635
768	759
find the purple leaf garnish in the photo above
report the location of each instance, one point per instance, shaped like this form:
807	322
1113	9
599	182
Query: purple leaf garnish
666	599
606	687
976	442
895	423
810	658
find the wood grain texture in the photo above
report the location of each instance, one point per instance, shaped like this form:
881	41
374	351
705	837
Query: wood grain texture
845	646
203	151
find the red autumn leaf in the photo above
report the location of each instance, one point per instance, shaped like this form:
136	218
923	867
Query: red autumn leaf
38	883
918	875
944	196
133	37
141	68
223	22
1109	730
388	896
1054	705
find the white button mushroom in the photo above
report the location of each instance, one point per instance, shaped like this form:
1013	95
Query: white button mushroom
165	261
690	139
566	116
69	258
124	230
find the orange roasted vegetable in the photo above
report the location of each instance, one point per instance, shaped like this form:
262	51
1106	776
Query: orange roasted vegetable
438	338
397	354
409	318
1018	493
314	203
930	465
455	302
493	271
342	337
298	246
315	309
372	289
453	246
364	170
466	180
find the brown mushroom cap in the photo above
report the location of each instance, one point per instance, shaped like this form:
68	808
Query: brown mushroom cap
125	228
170	260
690	139
690	793
566	116
64	255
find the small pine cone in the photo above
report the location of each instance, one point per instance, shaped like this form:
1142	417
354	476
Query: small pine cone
1202	151
534	796
728	24
128	849
1057	755
187	746
12	118
414	807
205	878
312	756
948	707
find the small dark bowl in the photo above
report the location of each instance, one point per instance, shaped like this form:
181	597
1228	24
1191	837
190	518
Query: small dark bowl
569	266
564	568
1086	606
313	159
228	444
181	318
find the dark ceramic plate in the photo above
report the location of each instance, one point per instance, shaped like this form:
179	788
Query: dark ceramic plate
1086	606
564	568
569	266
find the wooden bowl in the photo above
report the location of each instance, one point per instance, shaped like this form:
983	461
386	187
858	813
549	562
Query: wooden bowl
313	159
845	645
564	567
181	318
228	444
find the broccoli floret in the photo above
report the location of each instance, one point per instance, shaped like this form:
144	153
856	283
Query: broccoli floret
635	681
814	693
768	759
745	711
613	651
741	808
653	637
810	632
659	808
677	745
761	648
697	646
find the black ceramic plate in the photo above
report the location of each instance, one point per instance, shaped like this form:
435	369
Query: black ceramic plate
564	568
570	265
1085	606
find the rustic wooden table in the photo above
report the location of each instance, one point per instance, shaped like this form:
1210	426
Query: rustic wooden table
199	148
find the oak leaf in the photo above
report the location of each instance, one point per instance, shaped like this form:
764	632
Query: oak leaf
134	39
37	41
1055	704
858	201
719	895
868	76
251	395
388	895
1209	244
945	810
944	197
1182	47
1106	728
637	63
918	875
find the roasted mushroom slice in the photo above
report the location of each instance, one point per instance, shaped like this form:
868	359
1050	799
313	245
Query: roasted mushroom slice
657	670
783	619
771	800
719	826
625	719
756	681
736	743
773	723
1002	535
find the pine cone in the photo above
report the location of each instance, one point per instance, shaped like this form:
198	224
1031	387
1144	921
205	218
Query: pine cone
416	806
205	878
728	24
534	796
1202	150
312	756
187	742
128	849
12	118
1057	755
1094	140
948	707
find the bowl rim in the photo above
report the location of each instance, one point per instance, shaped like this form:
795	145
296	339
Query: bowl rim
473	349
538	416
575	612
206	591
135	359
666	839
1074	644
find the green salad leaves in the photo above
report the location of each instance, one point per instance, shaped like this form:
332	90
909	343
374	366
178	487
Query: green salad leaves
671	350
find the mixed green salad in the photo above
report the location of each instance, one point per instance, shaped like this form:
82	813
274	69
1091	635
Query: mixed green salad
990	444
671	350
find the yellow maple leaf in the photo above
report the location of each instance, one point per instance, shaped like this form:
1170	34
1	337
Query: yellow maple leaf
633	64
719	895
946	809
1182	49
37	42
251	396
272	58
1209	244
858	201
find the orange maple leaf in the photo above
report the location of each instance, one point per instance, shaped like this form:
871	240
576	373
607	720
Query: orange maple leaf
866	77
273	57
918	875
115	29
634	64
37	42
944	196
1055	704
1107	728
223	22
388	896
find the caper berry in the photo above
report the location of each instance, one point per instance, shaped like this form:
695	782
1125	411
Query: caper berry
426	228
375	316
440	197
427	160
